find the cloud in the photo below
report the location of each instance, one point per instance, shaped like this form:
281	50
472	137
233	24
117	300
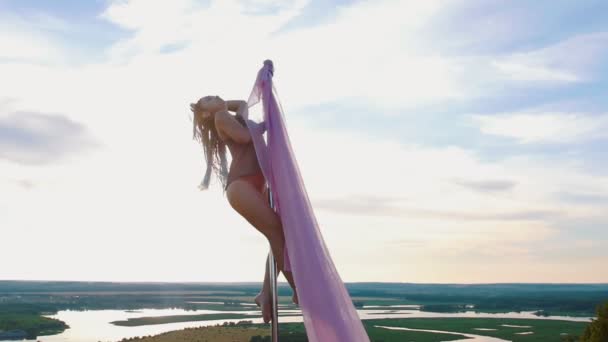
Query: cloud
29	38
409	243
217	26
35	138
382	177
551	127
387	75
523	42
264	7
316	12
583	198
35	20
441	202
357	207
575	251
539	70
25	183
491	27
487	185
574	59
27	46
524	72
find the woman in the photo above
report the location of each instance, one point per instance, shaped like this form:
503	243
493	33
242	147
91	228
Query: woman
244	185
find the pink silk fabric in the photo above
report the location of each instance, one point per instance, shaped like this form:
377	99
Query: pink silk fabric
328	311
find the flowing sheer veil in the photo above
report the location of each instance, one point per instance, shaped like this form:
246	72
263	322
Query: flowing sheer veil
329	313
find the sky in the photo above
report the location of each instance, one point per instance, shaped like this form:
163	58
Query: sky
440	141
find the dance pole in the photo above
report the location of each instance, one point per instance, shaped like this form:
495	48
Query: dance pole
273	286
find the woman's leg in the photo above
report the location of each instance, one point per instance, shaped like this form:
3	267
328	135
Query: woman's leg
266	283
244	196
288	275
265	293
263	299
251	204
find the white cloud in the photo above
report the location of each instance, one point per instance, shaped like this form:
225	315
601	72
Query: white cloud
136	195
27	46
531	127
369	193
217	30
345	60
28	38
522	72
35	138
571	60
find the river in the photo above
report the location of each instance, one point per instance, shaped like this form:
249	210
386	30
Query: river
94	325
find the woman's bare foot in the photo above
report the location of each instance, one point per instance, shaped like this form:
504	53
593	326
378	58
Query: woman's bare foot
264	302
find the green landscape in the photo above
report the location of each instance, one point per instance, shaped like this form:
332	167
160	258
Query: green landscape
508	329
25	305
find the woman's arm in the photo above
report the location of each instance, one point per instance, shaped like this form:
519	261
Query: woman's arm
233	105
238	106
229	126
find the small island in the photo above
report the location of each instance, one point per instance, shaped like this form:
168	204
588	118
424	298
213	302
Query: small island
30	326
139	321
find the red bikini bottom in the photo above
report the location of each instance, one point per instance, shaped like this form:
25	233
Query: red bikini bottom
257	180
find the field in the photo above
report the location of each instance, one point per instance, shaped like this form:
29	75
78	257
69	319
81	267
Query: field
508	329
208	334
23	304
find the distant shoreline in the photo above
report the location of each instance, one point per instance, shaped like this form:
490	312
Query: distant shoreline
140	321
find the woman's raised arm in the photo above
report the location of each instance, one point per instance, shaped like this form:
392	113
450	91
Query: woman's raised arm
229	126
233	105
238	106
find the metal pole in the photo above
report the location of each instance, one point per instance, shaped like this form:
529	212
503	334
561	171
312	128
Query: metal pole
273	287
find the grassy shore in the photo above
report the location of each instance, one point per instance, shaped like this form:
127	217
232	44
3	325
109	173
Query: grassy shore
510	329
517	330
138	321
207	334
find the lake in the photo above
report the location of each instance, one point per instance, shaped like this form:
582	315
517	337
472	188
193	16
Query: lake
94	325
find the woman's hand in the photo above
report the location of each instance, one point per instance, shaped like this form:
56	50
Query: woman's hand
234	105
